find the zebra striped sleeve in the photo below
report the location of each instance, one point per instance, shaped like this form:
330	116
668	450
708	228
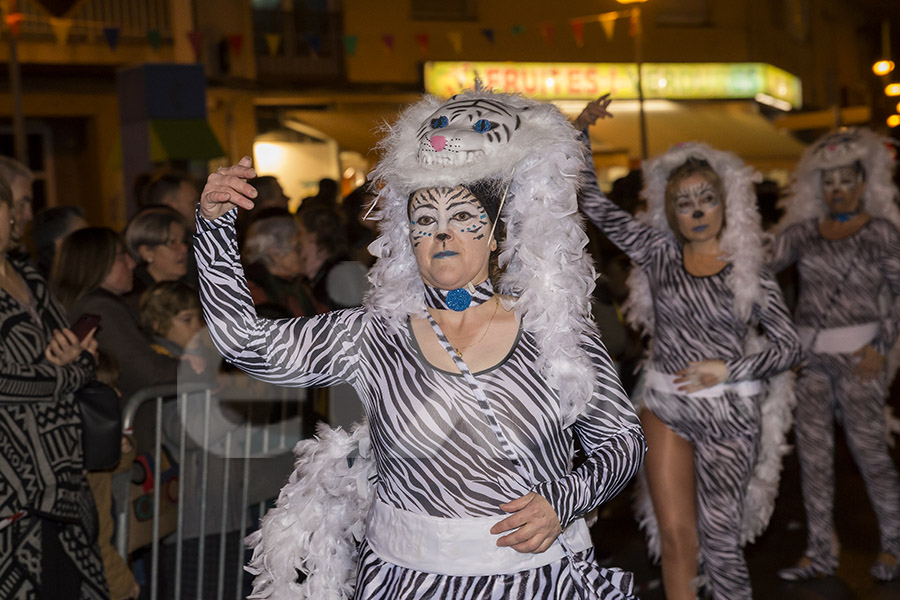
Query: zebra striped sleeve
613	442
787	245
301	352
784	350
639	241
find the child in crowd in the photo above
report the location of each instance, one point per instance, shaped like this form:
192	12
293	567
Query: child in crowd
122	585
170	313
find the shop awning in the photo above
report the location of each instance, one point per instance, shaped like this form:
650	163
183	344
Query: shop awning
738	126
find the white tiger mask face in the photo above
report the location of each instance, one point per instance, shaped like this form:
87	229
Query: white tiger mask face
465	130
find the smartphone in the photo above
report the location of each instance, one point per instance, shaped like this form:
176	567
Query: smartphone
84	324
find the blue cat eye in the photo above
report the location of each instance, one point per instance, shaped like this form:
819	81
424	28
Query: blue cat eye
482	125
439	122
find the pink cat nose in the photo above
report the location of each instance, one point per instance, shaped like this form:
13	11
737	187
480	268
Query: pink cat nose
438	142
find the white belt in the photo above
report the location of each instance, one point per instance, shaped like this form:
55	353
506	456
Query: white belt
461	546
837	340
663	382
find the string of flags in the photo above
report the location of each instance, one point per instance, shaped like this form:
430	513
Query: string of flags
62	28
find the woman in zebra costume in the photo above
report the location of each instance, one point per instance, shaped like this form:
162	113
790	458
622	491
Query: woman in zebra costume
474	396
699	289
841	229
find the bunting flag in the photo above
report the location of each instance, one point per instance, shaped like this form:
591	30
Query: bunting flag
456	40
273	42
314	41
154	38
488	35
111	33
61	29
422	41
608	22
14	22
547	33
57	8
578	32
388	41
196	39
634	23
350	44
236	43
517	29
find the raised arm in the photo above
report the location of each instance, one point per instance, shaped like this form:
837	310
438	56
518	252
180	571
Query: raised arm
303	352
612	439
783	352
637	240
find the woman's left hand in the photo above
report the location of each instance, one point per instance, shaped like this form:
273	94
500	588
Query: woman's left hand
700	375
65	347
536	524
871	363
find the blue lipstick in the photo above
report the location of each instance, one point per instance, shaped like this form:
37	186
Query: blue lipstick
700	228
445	254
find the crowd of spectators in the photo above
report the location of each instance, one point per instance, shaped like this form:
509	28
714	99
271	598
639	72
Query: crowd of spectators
56	266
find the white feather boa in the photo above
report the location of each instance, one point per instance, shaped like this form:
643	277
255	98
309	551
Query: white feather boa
742	246
318	520
546	266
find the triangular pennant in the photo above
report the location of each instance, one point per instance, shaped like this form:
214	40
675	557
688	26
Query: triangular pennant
350	44
314	41
547	30
14	22
488	35
455	38
273	42
517	29
236	43
388	41
577	32
634	23
56	8
196	38
112	36
154	38
608	22
61	29
422	42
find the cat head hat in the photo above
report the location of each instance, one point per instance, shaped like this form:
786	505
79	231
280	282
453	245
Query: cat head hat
532	155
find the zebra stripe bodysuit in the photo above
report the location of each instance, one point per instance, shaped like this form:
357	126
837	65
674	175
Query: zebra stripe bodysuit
844	283
694	320
435	454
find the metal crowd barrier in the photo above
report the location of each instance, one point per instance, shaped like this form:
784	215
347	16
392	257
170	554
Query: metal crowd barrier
289	417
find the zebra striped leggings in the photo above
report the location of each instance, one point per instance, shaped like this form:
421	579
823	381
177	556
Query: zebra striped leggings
828	386
724	432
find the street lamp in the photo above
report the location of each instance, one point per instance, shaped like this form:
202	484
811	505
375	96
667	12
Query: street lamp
893	120
892	89
883	67
638	52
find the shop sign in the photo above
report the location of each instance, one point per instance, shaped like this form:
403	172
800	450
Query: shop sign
584	81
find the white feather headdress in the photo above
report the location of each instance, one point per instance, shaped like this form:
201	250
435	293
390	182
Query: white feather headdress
839	148
546	268
741	238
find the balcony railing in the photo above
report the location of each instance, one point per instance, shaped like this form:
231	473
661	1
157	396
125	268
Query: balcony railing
134	19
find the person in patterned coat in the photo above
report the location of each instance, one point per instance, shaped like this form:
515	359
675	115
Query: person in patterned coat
48	522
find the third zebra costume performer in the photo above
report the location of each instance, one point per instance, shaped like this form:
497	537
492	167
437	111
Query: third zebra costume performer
841	228
461	454
714	424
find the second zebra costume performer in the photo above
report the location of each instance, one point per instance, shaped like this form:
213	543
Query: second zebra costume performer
448	448
736	428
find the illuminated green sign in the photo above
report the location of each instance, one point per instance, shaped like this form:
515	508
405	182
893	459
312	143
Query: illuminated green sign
584	81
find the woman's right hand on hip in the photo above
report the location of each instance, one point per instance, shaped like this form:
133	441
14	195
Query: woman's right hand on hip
227	188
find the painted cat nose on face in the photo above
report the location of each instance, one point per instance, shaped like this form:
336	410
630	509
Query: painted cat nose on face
698	214
438	142
442	237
